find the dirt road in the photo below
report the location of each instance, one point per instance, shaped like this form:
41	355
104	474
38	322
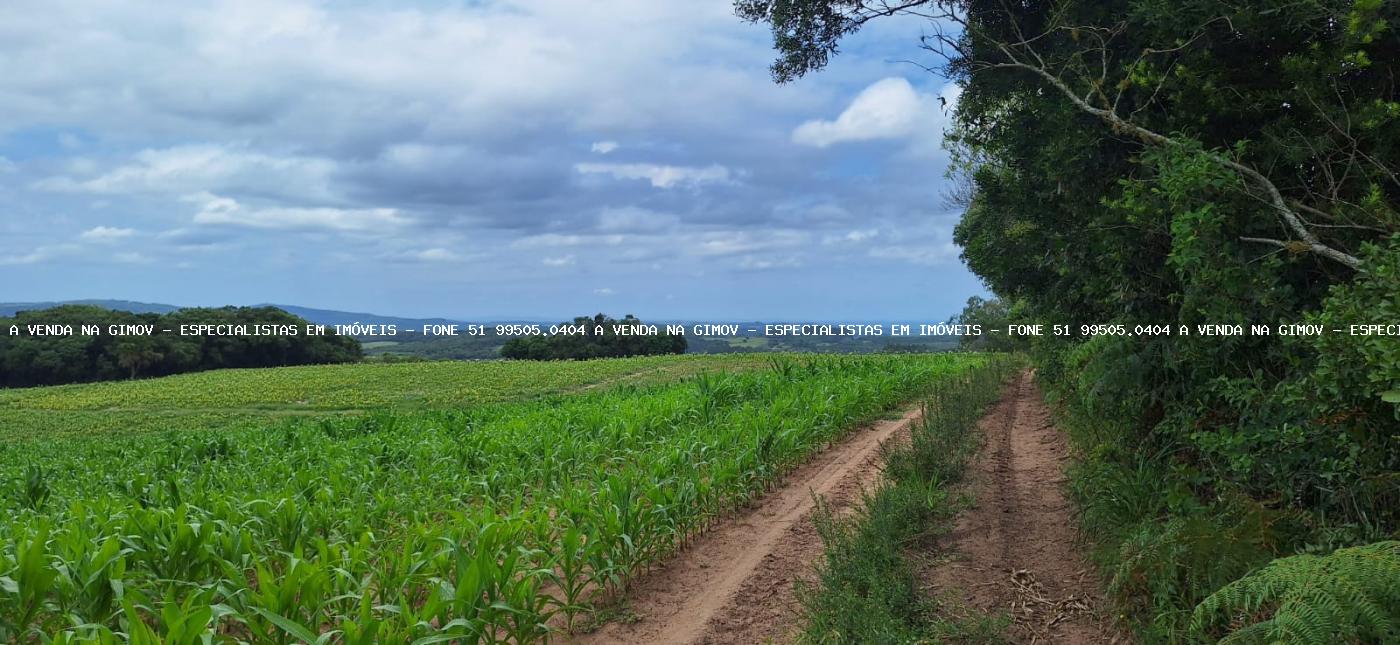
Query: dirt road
1015	550
735	583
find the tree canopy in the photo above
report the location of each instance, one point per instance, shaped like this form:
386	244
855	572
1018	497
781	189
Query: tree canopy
594	337
27	360
1185	163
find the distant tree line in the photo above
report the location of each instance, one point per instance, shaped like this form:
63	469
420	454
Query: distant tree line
28	360
607	344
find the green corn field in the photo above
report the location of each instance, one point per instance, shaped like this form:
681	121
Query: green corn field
225	399
481	523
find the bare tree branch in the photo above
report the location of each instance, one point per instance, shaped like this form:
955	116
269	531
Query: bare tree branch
1307	240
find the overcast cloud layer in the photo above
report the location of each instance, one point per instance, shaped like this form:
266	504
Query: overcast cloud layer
542	158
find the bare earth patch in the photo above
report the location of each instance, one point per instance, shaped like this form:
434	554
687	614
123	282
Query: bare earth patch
735	584
1014	551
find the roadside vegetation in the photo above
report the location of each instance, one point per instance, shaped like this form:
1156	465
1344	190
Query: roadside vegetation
1134	165
481	523
867	589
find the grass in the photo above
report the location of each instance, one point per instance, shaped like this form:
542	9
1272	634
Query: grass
1161	549
227	399
867	588
496	521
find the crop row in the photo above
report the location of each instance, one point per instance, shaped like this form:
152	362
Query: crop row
226	399
493	523
357	386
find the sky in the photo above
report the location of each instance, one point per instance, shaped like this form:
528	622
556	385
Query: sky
476	160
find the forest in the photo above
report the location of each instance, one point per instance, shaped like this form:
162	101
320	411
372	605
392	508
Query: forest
1139	162
29	360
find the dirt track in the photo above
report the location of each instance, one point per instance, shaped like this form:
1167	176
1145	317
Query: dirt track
735	583
1014	551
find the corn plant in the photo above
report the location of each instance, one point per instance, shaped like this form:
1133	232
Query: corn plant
492	522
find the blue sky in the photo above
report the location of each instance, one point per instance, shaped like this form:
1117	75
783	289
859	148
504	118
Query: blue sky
540	158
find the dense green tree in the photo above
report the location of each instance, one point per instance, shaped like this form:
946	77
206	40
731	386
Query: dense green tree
136	353
1139	162
989	314
27	359
599	339
1183	163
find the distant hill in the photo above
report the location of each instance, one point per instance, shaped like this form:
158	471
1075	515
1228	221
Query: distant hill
10	308
333	317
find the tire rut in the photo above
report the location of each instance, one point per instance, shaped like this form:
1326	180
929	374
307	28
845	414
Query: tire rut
1016	550
735	584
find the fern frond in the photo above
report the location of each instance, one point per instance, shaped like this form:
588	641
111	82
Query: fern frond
1349	595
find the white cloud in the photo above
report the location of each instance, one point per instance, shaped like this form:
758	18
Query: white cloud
131	257
316	68
435	255
635	220
852	237
202	167
888	109
722	243
750	263
660	176
106	234
553	240
386	134
927	254
604	292
40	254
225	211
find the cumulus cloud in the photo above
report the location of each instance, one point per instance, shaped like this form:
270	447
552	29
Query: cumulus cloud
216	210
660	176
553	240
204	167
750	263
888	109
851	237
735	242
391	135
106	234
435	255
39	255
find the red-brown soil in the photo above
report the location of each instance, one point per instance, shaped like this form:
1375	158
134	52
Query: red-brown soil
1013	551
